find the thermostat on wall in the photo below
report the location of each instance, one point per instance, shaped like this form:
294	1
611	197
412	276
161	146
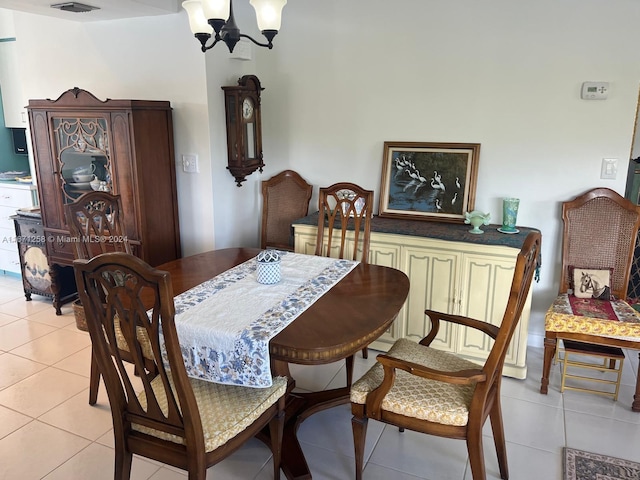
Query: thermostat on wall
594	90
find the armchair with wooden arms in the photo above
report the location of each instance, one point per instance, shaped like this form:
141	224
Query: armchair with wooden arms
599	236
95	223
345	207
435	392
184	422
285	198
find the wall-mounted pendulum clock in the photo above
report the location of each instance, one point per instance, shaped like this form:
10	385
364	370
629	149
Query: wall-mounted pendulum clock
244	132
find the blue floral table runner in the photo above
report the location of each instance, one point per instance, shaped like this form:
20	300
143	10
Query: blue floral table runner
224	324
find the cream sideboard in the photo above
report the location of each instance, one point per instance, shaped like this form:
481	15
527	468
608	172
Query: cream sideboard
13	196
460	277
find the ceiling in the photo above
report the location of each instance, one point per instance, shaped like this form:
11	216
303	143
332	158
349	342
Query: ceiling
109	9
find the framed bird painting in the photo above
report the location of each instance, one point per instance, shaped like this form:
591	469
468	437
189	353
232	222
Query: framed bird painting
428	181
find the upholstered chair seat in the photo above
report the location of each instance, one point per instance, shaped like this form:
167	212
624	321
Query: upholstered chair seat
225	410
418	397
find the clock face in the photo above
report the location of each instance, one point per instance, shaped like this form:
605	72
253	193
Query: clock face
247	108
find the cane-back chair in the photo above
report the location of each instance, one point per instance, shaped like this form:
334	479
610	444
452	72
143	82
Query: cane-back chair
96	226
600	229
285	198
344	222
188	423
439	393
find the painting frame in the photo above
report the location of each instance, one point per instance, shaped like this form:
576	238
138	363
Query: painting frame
415	176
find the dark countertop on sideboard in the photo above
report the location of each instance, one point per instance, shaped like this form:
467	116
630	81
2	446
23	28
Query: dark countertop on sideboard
456	232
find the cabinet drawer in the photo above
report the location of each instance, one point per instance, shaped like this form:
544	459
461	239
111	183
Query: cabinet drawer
15	197
10	260
5	216
31	233
7	238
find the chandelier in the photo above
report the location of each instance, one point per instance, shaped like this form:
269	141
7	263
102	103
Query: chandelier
207	17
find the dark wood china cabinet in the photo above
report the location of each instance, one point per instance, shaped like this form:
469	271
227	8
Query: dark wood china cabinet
125	147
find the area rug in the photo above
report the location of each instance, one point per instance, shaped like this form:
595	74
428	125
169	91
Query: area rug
581	465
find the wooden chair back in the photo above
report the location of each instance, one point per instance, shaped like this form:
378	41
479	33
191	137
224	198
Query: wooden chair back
167	419
285	198
600	231
345	209
96	225
526	264
111	287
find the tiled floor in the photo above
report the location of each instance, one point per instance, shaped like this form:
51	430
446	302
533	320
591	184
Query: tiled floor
49	431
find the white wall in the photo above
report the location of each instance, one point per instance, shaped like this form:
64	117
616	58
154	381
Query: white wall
344	77
144	58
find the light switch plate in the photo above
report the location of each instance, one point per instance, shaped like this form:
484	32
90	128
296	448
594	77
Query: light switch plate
190	163
609	169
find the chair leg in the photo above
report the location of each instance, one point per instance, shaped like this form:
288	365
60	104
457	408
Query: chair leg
365	352
476	452
123	463
94	381
359	426
498	438
276	429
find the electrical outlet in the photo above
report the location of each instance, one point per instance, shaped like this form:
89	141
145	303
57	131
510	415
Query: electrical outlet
609	169
190	163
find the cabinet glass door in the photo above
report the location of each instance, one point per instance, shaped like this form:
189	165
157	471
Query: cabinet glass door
82	154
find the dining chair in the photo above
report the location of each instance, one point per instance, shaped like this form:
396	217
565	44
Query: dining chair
285	198
343	208
600	229
96	226
439	393
174	419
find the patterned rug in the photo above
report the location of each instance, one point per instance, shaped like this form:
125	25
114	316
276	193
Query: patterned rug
581	465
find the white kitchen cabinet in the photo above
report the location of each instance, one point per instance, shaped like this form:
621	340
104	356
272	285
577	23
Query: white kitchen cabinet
460	277
12	197
13	103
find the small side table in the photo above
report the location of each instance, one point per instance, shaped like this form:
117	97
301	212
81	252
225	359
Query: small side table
38	277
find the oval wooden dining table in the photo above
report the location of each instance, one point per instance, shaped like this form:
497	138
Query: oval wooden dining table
347	318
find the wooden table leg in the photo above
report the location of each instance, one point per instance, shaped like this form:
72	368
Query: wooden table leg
635	406
300	406
549	351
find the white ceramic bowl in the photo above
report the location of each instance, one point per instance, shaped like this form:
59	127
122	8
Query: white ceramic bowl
80	178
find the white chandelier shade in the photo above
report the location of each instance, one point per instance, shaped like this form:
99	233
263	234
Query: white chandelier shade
215	17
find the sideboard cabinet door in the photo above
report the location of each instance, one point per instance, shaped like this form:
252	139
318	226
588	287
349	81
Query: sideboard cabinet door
447	276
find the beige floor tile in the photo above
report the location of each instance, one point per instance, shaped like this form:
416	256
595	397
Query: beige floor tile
48	317
11	421
79	362
14	368
54	346
42	391
5	319
20	332
21	308
10	294
168	474
96	463
48	448
77	416
107	439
